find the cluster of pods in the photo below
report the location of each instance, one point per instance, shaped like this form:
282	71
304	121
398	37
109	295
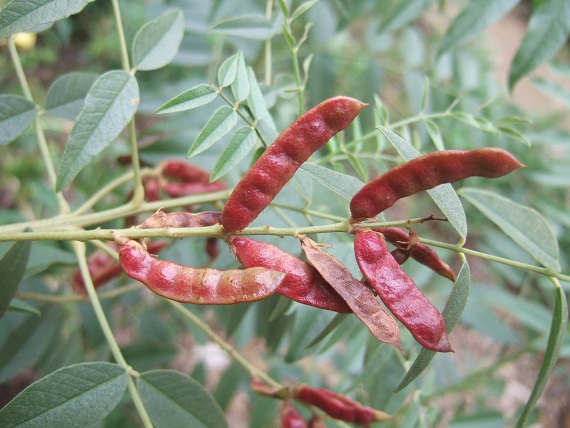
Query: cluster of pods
322	281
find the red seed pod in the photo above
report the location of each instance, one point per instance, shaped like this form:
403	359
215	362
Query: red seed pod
357	295
427	172
177	190
152	189
303	282
421	253
290	417
103	268
201	286
399	292
339	406
280	161
401	255
184	171
211	247
181	219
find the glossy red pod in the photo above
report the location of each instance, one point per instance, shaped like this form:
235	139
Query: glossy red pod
303	282
426	172
339	406
184	171
399	292
290	417
103	268
277	165
416	250
200	286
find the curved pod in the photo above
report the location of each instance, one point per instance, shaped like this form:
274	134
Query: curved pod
263	181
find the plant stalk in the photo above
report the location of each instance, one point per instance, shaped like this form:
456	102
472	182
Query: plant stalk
79	249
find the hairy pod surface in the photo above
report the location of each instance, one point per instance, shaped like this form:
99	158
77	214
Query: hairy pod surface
358	296
427	172
303	282
181	219
416	250
263	181
399	292
201	286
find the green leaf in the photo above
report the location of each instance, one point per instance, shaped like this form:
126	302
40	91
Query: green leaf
157	42
548	30
194	97
17	305
240	86
45	254
557	330
16	114
308	324
221	122
22	15
343	185
238	148
174	399
522	224
255	27
451	313
380	111
27	340
443	195
77	395
66	96
288	37
403	13
301	9
435	135
553	89
228	71
476	122
255	101
12	269
329	328
472	20
515	134
111	103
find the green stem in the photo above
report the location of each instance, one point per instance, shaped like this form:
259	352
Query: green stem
298	80
42	142
216	231
313	213
268	53
79	249
240	359
121	36
245	118
67	221
76	298
138	195
104	191
296	69
19	69
497	259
